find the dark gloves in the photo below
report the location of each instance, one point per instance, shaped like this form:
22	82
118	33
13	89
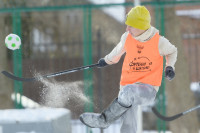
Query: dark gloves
102	63
169	73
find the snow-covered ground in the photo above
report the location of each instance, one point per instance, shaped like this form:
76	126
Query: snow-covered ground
194	13
117	12
78	127
120	10
40	120
195	86
31	115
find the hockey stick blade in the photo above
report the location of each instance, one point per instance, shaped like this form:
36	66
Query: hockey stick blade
164	117
11	76
175	116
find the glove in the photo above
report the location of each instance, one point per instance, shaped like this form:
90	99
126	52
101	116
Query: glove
102	63
169	73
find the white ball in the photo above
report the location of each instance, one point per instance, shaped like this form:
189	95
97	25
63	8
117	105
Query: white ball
13	41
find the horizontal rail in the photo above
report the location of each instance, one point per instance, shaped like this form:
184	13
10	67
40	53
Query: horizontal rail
70	7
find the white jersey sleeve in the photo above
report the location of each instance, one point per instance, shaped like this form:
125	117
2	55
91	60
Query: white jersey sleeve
115	55
168	50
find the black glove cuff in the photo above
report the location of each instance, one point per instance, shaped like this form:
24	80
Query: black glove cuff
102	63
169	73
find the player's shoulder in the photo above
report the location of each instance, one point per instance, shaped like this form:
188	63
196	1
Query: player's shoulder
124	35
163	40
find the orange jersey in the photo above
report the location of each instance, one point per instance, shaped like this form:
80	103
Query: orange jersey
143	62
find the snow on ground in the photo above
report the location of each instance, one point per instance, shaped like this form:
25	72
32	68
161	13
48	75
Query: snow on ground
194	13
78	127
40	120
117	12
195	86
31	115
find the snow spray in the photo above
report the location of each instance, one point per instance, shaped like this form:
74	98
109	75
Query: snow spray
59	94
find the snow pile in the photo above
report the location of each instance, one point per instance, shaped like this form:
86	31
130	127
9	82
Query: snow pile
117	12
31	115
195	86
194	13
41	120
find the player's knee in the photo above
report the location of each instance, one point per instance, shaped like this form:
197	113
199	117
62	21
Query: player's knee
125	97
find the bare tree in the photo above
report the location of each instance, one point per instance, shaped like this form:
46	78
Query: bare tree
179	96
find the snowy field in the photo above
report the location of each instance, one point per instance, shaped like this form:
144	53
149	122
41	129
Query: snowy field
47	120
78	127
41	120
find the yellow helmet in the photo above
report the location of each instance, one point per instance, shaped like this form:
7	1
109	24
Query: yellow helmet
139	18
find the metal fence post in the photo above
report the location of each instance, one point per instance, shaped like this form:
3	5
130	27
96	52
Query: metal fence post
161	125
87	58
17	59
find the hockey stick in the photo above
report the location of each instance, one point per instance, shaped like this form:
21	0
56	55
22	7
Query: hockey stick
11	76
171	118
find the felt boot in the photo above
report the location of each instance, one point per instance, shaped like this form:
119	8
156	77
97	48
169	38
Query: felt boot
103	120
